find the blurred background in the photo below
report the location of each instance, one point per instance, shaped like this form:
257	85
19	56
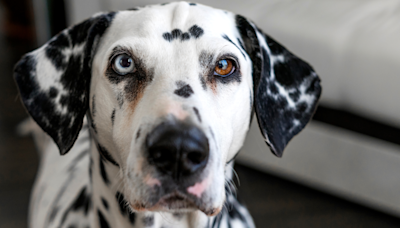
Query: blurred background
343	170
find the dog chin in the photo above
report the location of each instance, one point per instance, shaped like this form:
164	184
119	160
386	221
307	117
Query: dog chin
175	203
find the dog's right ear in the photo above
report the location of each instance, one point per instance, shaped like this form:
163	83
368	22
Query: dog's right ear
54	80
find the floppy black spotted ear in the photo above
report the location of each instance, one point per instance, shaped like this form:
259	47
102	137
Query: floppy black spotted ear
54	79
286	89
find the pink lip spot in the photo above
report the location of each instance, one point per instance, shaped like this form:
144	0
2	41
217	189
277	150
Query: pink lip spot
198	188
151	181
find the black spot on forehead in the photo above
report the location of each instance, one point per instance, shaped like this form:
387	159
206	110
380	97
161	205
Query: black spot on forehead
227	38
148	220
184	90
102	220
185	36
196	31
192	4
133	9
176	33
167	36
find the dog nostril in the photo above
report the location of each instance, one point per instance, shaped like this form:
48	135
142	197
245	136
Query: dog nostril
196	157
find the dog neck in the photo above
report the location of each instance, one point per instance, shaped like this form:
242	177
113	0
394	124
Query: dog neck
110	209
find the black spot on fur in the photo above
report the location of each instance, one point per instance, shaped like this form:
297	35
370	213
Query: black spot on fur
163	4
196	31
273	88
176	33
82	202
295	95
103	171
93	106
54	51
133	9
203	82
184	91
227	38
103	152
185	36
102	220
91	170
120	99
148	220
53	92
167	36
113	117
75	76
138	133
196	111
192	4
123	206
105	203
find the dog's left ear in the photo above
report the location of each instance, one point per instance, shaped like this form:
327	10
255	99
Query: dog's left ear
54	80
286	89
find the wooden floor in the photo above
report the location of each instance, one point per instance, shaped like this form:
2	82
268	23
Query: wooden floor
272	201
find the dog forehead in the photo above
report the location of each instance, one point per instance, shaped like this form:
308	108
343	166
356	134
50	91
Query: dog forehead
154	22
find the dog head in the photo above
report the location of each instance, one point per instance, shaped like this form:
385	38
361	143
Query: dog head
169	91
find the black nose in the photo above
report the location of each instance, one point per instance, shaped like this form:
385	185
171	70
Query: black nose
177	149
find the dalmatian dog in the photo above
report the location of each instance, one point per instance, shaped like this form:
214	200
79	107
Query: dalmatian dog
149	108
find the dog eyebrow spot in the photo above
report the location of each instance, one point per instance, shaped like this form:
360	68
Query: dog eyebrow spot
184	91
192	4
196	31
196	111
227	38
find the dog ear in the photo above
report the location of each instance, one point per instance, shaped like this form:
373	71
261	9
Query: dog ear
286	89
54	79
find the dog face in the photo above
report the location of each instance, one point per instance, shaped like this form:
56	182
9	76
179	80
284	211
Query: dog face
169	91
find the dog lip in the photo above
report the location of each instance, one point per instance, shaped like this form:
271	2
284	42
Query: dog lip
176	200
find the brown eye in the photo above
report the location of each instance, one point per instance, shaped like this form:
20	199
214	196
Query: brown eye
224	68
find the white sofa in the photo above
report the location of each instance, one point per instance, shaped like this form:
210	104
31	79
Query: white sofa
354	45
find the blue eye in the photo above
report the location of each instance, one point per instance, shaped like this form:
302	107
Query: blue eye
123	64
224	67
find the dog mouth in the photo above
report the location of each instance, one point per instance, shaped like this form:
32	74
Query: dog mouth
175	202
